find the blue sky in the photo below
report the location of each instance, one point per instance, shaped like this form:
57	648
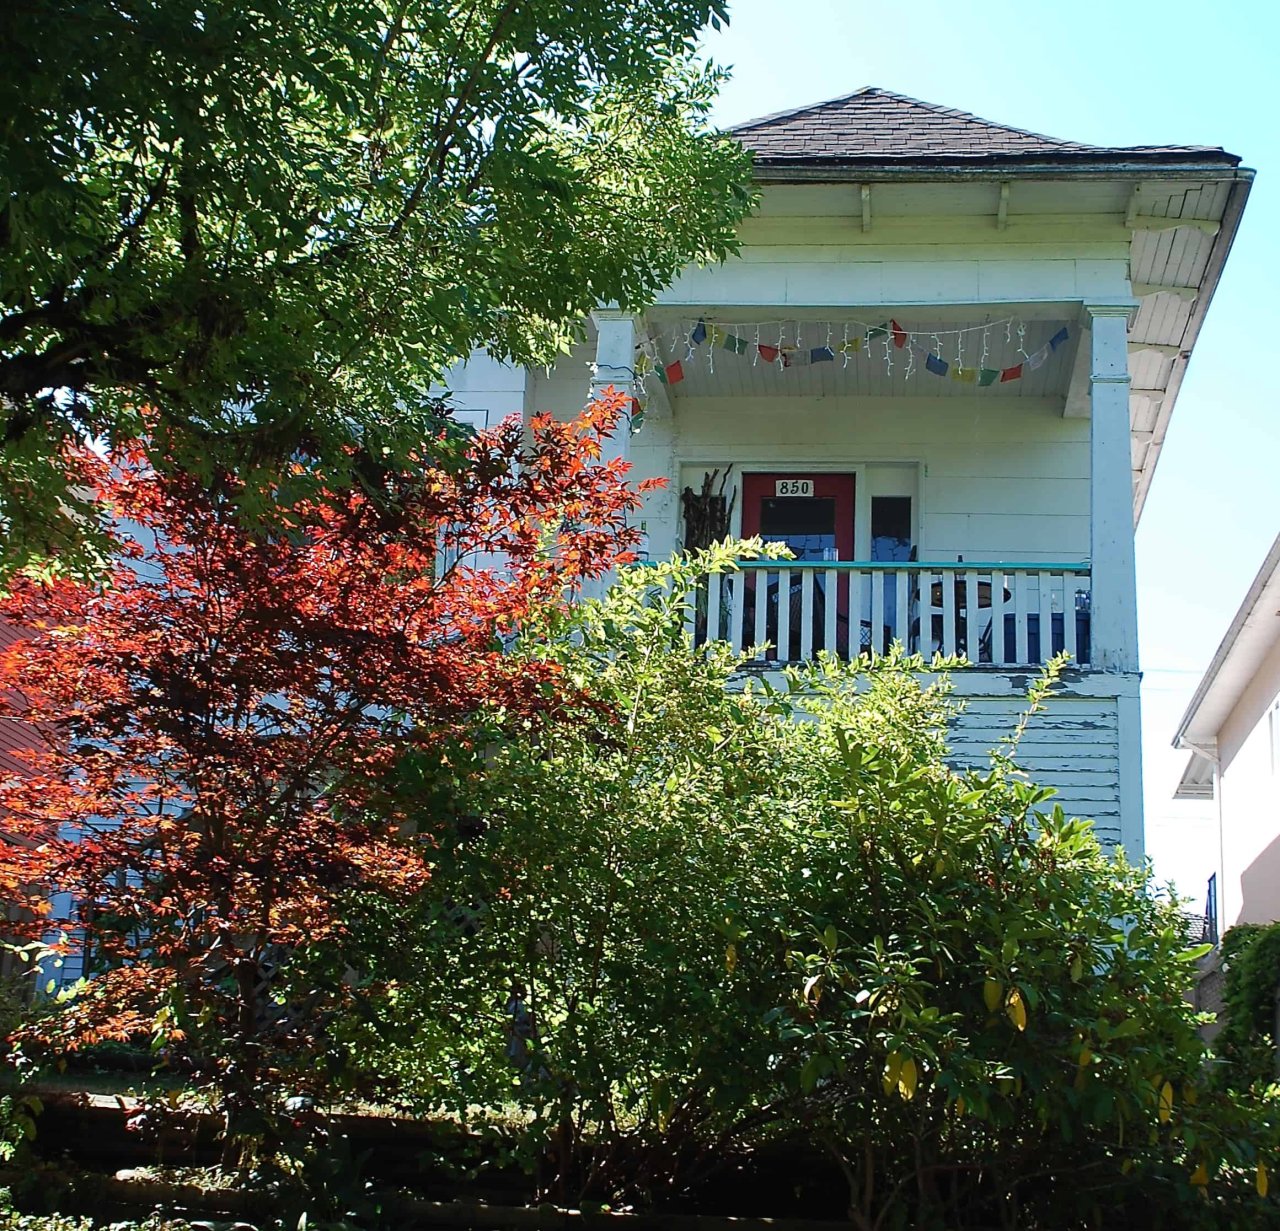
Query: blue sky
1135	73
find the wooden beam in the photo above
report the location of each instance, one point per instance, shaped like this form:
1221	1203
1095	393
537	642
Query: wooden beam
864	191
1076	405
1143	289
1131	214
1154	222
1002	212
1160	348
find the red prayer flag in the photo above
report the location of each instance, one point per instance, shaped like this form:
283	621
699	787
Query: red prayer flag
675	372
768	353
1013	373
899	334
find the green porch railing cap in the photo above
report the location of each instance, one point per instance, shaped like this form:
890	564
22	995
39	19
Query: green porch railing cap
923	566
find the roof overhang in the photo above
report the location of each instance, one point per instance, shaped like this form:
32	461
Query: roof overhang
1172	334
1252	635
1196	782
806	169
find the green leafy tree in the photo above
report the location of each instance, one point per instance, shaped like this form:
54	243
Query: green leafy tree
248	230
708	918
1247	1043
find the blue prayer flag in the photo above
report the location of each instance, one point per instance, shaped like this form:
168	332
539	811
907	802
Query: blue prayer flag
821	354
1058	338
699	334
936	365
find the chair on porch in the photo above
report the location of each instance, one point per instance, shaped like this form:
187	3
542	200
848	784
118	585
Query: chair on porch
1057	637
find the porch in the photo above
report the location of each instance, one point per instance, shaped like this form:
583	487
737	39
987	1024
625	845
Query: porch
979	506
994	614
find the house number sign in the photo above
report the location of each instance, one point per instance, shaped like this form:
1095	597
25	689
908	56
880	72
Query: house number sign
793	487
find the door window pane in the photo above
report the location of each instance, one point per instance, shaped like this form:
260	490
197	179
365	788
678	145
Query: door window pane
807	524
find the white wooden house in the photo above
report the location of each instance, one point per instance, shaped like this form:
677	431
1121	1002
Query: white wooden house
942	368
1231	728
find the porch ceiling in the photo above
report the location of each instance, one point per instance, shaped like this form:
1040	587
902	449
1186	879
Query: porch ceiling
712	371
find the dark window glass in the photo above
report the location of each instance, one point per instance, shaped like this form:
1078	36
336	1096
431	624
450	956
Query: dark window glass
891	527
807	524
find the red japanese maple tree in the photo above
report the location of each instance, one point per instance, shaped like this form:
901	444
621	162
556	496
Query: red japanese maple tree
223	719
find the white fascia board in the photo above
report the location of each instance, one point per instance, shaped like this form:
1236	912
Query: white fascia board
1252	633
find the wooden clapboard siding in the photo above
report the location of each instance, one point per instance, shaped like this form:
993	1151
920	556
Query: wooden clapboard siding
1073	746
997	481
485	390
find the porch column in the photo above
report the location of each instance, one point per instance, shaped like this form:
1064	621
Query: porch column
1114	623
615	366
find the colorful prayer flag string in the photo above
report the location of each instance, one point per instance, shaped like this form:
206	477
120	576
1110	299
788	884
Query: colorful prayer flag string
893	335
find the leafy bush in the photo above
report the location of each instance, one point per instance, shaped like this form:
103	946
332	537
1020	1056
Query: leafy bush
1247	1043
708	915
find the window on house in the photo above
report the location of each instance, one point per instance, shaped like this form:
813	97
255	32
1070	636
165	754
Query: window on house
806	525
891	528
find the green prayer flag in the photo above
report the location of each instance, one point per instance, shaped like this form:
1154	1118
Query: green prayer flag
988	376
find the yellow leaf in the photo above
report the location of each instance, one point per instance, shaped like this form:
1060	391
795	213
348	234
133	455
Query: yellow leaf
907	1079
991	992
1016	1010
1262	1180
1190	1096
1200	1176
892	1068
1077	969
1085	1056
1126	1166
961	1105
1166	1102
731	958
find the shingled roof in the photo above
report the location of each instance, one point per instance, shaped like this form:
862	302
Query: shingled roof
872	126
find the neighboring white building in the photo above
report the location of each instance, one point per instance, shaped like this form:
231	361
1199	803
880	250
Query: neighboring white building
942	367
1232	730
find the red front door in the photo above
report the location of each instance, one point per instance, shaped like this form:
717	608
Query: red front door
811	513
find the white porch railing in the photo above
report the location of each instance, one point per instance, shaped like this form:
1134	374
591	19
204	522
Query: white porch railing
996	615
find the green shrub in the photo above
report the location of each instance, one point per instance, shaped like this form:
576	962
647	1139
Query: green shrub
708	915
1247	1045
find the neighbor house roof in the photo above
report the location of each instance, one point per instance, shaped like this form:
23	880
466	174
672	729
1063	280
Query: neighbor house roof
875	126
1251	637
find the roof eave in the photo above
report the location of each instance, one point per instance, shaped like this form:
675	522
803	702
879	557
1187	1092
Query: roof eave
1242	178
1187	736
1197	779
778	169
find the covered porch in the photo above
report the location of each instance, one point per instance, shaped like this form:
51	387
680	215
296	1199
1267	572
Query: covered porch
979	504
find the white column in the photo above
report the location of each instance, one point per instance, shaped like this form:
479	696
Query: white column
615	366
1114	623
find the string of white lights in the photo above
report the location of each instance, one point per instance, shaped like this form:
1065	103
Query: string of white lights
796	326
